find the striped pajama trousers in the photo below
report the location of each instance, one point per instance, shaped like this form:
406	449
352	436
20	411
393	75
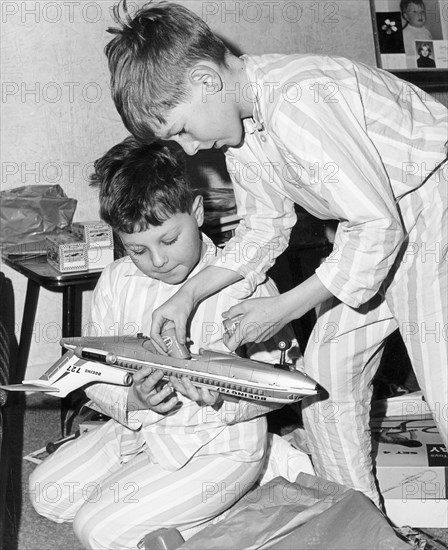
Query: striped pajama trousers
345	348
113	504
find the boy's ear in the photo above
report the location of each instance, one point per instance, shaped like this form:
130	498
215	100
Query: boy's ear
206	76
198	210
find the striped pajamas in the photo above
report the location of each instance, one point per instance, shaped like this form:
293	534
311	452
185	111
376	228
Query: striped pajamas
415	303
113	504
142	470
353	143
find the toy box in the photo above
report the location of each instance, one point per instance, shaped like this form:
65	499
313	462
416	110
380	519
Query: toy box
94	233
98	237
418	513
411	459
66	253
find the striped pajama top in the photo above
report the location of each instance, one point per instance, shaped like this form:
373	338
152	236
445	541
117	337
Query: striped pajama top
343	140
122	304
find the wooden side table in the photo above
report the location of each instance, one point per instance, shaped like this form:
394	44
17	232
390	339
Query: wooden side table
40	274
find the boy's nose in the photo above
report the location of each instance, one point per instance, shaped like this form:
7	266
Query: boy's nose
158	258
191	147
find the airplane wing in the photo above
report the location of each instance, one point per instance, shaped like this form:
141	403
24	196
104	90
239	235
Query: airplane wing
29	386
69	373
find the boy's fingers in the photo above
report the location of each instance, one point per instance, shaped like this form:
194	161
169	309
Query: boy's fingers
164	408
232	312
155	385
156	327
232	342
159	344
186	388
178	385
141	374
147	375
181	333
166	393
198	394
231	326
209	397
192	390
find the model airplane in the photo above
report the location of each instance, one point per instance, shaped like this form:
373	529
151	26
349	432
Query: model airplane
113	359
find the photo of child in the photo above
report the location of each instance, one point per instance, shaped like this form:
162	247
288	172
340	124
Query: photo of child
414	17
425	52
403	26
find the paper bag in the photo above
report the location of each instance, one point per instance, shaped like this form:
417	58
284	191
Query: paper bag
309	513
27	213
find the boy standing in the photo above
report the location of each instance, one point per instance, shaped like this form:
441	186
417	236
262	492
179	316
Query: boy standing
343	140
158	462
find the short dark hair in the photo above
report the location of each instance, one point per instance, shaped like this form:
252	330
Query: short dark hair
141	185
149	59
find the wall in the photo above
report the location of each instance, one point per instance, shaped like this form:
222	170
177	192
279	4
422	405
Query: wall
57	115
337	28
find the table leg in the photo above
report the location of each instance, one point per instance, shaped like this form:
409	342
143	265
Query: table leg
71	326
71	311
26	332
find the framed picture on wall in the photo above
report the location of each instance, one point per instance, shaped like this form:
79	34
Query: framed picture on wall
411	40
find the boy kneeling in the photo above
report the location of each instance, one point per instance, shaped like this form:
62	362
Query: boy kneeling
159	462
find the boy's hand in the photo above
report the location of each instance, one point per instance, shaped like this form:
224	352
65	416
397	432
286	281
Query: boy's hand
255	320
177	309
203	396
149	392
263	317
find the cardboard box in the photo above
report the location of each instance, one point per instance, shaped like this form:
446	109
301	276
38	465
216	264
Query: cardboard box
94	233
417	513
66	253
411	459
98	237
406	405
